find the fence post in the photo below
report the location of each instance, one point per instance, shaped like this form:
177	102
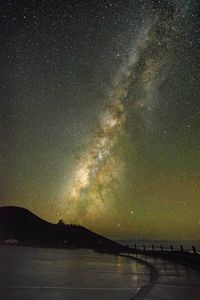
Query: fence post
161	247
153	248
194	249
135	246
181	248
144	248
171	247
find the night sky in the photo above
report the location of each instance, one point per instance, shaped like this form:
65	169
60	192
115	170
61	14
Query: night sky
100	118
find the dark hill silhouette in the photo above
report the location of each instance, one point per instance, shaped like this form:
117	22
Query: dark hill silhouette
20	224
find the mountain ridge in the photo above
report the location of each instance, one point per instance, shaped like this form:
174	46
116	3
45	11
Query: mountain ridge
28	229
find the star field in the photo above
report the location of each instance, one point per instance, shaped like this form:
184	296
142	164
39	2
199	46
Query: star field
100	119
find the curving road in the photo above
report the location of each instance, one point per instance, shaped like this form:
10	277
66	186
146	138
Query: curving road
175	281
52	274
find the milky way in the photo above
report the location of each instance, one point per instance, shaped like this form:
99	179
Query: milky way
100	123
98	178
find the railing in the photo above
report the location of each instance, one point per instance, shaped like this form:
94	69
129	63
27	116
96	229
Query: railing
170	248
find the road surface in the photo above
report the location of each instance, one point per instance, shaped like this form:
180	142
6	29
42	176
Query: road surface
175	281
53	274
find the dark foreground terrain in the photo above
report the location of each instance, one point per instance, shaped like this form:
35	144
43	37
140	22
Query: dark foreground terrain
28	273
58	274
29	230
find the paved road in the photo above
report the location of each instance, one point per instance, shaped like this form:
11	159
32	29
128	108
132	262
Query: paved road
50	274
175	282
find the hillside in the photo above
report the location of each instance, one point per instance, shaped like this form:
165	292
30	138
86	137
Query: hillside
20	224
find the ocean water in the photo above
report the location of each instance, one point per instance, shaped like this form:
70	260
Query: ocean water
35	273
